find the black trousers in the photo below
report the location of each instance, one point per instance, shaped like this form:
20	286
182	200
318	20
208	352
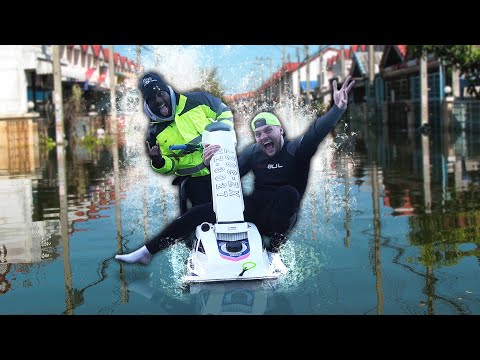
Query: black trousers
199	190
273	212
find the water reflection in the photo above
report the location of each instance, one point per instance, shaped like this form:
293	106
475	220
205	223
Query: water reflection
414	166
221	298
65	240
118	220
390	224
5	285
25	239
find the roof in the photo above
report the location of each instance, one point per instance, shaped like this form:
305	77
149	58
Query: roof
402	49
96	49
360	62
289	67
393	54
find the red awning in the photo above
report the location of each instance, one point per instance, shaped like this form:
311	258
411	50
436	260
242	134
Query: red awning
89	73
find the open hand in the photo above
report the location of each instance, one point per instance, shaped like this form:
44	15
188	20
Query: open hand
340	97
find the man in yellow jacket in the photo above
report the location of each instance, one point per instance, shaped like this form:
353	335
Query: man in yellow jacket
180	119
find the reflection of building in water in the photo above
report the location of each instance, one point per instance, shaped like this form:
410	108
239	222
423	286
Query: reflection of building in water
88	207
4	283
464	161
402	206
420	170
23	240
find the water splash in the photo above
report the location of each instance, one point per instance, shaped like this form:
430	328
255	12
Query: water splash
325	202
178	65
327	197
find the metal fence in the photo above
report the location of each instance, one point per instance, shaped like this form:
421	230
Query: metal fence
466	115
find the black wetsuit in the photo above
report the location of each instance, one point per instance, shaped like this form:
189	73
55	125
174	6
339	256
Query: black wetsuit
280	182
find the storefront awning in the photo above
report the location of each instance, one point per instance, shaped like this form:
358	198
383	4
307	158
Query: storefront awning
44	67
73	73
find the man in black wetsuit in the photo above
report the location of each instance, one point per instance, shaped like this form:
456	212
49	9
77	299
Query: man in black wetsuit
281	168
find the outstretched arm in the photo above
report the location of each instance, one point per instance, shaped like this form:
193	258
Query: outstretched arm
325	124
308	144
340	97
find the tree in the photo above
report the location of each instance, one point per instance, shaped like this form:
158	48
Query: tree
73	106
211	82
465	58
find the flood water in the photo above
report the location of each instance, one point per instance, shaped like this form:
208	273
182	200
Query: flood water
389	225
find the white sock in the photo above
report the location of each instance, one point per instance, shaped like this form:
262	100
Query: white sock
141	255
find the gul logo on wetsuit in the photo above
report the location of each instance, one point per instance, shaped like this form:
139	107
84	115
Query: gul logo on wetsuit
269	166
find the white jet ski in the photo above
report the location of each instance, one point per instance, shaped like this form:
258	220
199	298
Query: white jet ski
231	249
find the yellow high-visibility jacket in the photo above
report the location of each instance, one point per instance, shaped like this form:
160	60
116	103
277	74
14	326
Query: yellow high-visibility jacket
194	111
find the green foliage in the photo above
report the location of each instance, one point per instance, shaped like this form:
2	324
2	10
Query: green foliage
90	141
321	108
46	142
76	98
73	106
211	82
440	236
465	58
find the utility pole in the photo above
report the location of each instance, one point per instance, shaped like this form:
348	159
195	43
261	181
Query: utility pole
290	80
299	77
113	114
113	84
58	96
139	57
139	51
320	73
371	72
261	59
263	74
282	82
342	63
371	64
270	62
270	77
114	128
307	59
138	48
456	82
424	89
62	177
